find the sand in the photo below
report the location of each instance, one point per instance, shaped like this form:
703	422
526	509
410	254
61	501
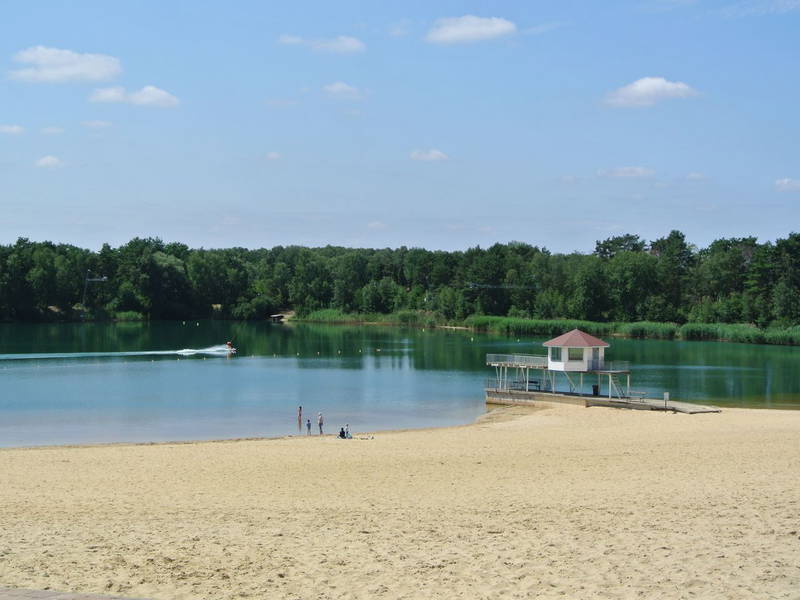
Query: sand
557	502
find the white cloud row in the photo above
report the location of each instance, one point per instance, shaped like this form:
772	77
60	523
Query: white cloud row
469	28
54	65
627	172
52	130
11	129
149	95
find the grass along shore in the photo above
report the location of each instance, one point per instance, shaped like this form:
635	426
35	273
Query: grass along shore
513	326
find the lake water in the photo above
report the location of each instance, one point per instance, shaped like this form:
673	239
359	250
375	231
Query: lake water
102	382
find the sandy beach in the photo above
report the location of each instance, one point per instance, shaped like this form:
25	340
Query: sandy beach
554	502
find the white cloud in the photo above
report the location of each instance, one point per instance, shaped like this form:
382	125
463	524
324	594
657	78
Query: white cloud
273	156
469	28
695	176
53	65
376	225
627	172
647	91
12	129
49	162
428	155
96	124
341	44
52	130
149	95
787	185
340	89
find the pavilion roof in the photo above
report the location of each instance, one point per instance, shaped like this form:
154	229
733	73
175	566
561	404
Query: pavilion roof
576	339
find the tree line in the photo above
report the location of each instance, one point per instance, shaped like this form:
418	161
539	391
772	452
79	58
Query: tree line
733	280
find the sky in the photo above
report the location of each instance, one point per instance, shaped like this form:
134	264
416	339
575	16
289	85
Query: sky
443	124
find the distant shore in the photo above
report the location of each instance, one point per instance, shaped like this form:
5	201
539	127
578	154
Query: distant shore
557	501
514	326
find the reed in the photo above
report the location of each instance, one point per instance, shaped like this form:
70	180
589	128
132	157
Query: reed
647	329
513	326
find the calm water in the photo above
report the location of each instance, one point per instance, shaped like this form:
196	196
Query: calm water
74	383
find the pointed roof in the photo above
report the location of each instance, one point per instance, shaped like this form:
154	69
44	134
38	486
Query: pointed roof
576	339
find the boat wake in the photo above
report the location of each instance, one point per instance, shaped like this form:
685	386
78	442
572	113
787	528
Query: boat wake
220	350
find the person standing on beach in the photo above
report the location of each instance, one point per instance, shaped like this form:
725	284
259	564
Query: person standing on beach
299	418
308	426
319	422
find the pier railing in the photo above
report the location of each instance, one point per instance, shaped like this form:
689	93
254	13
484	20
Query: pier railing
502	385
609	365
517	360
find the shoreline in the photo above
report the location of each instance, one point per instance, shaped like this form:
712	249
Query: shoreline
479	419
497	412
551	501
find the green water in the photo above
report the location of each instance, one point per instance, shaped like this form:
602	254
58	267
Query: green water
99	382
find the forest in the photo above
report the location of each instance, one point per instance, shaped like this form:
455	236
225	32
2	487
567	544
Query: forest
625	279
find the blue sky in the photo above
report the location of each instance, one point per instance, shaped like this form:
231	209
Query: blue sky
438	124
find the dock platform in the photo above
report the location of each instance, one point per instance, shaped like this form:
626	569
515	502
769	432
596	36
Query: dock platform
653	404
521	398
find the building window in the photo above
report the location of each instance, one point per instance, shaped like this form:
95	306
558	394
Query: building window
555	354
575	354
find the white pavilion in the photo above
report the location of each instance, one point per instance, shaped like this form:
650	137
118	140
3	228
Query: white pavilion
569	358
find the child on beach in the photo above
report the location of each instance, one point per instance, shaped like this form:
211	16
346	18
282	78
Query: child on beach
308	426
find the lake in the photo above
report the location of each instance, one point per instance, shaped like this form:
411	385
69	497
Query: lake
135	382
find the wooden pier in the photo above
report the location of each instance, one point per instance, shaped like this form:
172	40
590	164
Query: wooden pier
521	398
524	379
